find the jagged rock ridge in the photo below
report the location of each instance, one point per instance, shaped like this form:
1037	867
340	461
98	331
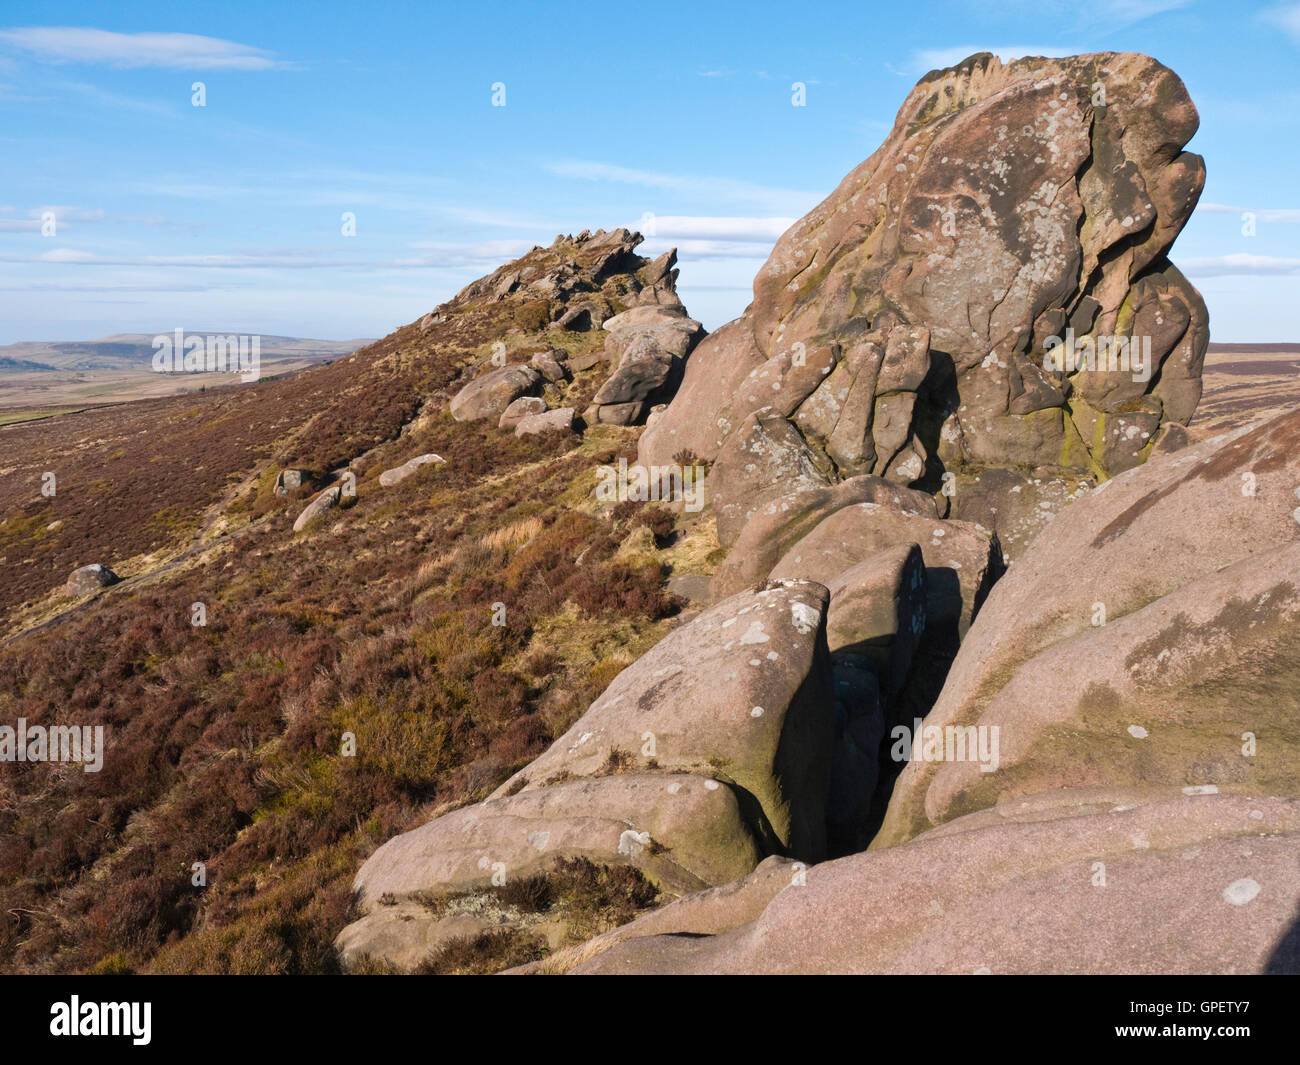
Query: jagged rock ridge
588	282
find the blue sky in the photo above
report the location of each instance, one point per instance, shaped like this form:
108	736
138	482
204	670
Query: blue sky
230	215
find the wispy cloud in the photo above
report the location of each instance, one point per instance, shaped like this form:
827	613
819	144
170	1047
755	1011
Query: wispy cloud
116	101
195	190
1120	13
928	59
1239	263
731	228
30	221
1100	16
437	256
1285	18
695	250
721	190
480	253
495	218
346	190
10	94
1262	214
174	51
79	257
110	287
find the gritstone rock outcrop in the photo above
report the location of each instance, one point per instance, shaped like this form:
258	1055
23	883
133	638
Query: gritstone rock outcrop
907	327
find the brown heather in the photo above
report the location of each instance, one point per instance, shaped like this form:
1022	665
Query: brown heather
223	742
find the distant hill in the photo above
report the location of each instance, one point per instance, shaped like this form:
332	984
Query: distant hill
134	351
9	365
1219	348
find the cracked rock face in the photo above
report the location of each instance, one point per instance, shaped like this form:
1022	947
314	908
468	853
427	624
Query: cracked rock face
916	321
646	345
1174	634
741	692
582	284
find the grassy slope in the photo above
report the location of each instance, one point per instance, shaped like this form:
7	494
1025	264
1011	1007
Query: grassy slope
225	740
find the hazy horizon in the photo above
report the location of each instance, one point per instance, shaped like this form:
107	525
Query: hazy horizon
236	210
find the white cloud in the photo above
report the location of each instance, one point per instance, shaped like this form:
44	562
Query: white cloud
1104	16
175	51
695	250
341	189
699	237
237	261
65	255
1238	263
928	59
490	253
68	214
111	287
1127	12
1285	18
730	228
1262	214
447	254
198	191
9	94
116	101
31	220
723	190
495	218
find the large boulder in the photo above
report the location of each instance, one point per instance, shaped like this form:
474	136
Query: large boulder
559	420
697	427
399	473
1091	882
88	579
961	561
667	326
520	409
778	523
488	396
551	365
878	609
287	481
741	693
330	498
686	831
923	319
1018	503
647	345
323	502
1150	636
